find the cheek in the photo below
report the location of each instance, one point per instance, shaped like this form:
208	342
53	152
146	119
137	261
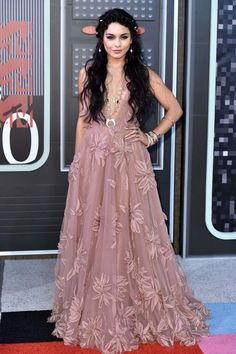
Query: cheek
127	46
105	46
106	43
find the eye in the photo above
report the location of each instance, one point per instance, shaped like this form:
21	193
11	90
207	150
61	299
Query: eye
125	37
109	37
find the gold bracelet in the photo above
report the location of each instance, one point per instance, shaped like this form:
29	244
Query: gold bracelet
157	135
152	138
149	138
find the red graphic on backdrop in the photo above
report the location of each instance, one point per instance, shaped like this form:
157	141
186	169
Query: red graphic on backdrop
9	106
16	71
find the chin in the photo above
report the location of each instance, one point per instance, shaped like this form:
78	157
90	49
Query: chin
117	56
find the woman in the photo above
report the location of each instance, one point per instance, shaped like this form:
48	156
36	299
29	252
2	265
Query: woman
118	281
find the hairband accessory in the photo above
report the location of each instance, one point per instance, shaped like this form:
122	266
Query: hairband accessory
140	30
91	30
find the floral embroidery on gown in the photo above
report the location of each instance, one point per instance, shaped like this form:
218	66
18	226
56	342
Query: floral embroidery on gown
118	282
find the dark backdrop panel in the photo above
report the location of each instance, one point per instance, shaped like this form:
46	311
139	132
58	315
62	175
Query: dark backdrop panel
32	202
199	238
224	171
32	196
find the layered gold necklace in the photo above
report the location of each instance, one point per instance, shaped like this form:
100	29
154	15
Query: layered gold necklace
112	104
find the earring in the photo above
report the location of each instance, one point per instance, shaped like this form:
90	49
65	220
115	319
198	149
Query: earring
131	50
99	50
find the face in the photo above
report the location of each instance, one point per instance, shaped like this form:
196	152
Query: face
117	40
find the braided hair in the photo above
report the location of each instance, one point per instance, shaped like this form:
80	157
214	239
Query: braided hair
134	69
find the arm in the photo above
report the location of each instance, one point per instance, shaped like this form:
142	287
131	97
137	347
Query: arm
173	112
167	100
81	124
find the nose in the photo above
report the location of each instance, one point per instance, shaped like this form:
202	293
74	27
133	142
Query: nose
117	42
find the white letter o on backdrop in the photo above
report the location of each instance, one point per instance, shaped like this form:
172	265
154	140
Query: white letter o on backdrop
6	139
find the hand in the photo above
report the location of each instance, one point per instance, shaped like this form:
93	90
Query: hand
136	134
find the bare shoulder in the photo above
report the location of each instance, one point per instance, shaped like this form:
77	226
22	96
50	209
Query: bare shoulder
154	77
82	74
82	78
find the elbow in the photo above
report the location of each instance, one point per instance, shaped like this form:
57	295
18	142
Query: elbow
179	112
176	111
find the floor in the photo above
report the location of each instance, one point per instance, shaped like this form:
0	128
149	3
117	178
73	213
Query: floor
28	284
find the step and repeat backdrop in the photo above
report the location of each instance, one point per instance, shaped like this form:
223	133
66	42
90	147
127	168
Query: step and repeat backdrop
32	189
209	203
42	49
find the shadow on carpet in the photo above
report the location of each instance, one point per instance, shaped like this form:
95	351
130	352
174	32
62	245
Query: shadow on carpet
25	327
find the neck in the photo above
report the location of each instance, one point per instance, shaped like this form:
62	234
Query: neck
115	65
119	63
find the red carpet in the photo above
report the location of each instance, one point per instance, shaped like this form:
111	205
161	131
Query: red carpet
60	348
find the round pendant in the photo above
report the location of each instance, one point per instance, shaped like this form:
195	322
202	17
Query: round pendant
110	122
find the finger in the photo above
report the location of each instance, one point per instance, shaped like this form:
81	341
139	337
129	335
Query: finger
132	138
130	141
131	128
130	135
138	140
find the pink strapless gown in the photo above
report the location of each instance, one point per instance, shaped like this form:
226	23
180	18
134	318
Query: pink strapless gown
118	282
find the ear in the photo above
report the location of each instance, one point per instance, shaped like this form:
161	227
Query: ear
140	30
89	30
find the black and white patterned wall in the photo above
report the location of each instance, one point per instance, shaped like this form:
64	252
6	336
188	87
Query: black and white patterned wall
140	9
224	172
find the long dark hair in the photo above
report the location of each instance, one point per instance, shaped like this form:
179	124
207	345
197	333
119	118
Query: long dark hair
134	70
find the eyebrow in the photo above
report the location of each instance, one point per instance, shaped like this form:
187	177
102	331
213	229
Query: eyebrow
122	34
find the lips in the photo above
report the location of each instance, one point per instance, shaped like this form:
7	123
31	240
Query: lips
117	51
